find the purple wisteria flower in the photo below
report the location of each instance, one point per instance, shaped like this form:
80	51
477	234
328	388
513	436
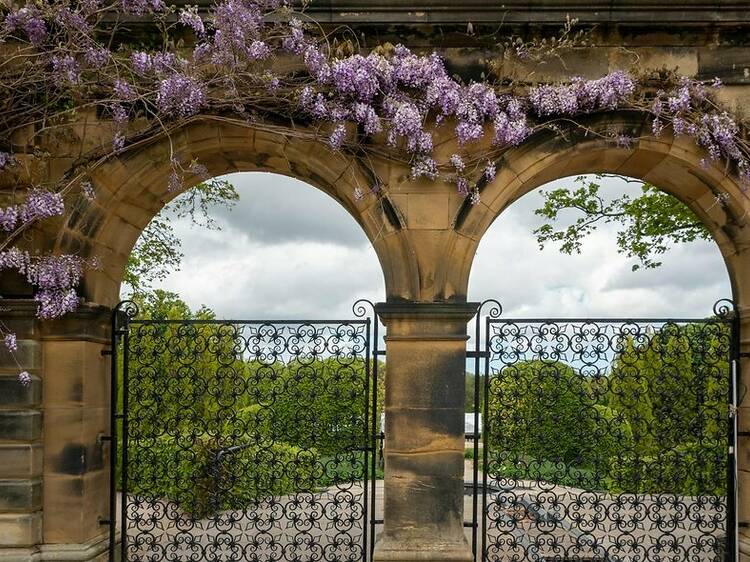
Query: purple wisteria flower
191	19
337	137
96	57
237	25
14	259
10	342
490	171
180	96
175	182
54	276
66	69
7	160
87	190
424	166
24	378
41	204
142	62
142	7
582	96
457	162
124	91
30	21
8	218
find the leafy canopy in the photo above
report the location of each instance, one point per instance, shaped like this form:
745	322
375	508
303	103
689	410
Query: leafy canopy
158	251
649	224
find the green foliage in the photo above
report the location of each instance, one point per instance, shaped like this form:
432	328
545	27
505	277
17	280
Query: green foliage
540	409
211	430
649	225
694	469
655	423
158	250
193	473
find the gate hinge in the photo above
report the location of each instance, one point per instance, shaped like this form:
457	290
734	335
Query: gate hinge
743	354
105	352
104	521
477	354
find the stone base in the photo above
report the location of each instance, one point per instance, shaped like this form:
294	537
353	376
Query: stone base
744	548
95	550
402	550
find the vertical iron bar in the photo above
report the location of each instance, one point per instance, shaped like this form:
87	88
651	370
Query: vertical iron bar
732	547
475	467
485	433
374	434
367	444
113	435
124	469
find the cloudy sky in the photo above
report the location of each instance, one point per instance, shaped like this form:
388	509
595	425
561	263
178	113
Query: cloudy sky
289	251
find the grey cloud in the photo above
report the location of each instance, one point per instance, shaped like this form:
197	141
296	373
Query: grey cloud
274	208
306	258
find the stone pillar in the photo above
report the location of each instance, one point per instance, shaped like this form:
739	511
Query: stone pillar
76	416
20	435
424	412
53	464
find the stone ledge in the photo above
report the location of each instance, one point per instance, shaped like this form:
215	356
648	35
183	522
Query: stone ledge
20	495
96	549
14	394
21	460
20	425
76	552
436	549
20	529
28	356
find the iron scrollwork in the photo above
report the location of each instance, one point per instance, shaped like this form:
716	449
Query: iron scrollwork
608	439
245	440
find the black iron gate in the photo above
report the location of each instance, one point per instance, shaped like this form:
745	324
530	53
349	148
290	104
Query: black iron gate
606	439
242	440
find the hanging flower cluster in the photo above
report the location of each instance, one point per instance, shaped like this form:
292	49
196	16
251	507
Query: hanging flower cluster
224	61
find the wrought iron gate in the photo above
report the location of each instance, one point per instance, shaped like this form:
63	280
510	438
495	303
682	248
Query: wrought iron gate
607	439
242	440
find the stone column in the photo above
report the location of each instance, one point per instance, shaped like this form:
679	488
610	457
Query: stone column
424	412
20	435
76	416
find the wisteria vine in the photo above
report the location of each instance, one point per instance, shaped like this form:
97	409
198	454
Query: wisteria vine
62	58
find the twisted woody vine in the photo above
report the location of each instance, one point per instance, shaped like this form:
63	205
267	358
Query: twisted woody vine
62	58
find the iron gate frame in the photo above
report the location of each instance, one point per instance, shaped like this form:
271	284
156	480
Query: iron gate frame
725	312
124	315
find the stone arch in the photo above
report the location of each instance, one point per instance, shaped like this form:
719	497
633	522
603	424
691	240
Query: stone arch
133	187
671	163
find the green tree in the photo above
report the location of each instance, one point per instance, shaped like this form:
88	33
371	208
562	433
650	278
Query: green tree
541	409
629	395
158	251
672	387
649	225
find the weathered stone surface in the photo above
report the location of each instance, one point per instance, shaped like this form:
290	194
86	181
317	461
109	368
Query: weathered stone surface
20	425
13	394
20	529
20	495
20	460
424	464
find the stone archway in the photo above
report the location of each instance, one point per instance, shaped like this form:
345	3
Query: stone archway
134	189
673	164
